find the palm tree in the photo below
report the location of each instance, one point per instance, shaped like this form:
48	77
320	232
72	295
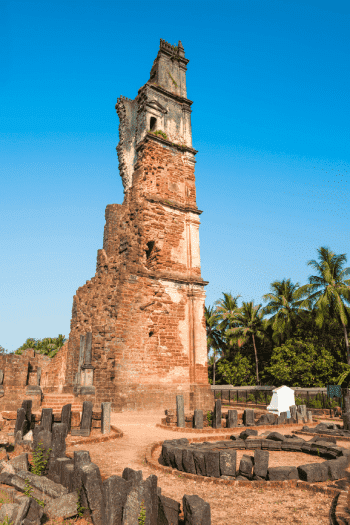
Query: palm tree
227	305
214	339
283	303
247	321
326	290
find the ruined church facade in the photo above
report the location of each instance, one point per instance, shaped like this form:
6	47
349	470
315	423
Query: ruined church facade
138	335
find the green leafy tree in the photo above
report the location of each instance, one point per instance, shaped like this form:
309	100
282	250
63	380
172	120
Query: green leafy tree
248	323
48	346
238	372
214	339
285	307
299	363
328	290
225	309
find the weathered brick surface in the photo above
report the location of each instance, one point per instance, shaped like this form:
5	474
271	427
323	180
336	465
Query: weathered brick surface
53	374
145	304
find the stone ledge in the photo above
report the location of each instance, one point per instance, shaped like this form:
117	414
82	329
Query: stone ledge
117	434
302	432
210	430
293	483
342	515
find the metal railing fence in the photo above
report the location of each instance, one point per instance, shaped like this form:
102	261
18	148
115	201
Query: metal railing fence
310	398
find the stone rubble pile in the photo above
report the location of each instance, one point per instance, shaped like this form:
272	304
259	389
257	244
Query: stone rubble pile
332	429
67	484
219	459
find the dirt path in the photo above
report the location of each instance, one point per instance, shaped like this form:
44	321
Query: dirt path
229	505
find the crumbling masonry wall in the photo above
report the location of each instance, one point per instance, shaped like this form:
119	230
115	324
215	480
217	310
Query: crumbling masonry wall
145	305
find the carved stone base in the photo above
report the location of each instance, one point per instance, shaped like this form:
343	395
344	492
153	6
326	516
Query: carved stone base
87	390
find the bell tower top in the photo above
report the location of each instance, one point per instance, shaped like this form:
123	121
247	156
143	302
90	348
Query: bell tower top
169	68
161	111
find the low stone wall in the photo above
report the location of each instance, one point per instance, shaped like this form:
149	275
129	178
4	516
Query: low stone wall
293	483
219	460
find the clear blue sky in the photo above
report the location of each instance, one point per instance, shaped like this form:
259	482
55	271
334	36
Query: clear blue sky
270	83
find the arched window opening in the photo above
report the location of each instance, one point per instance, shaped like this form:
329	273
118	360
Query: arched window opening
153	123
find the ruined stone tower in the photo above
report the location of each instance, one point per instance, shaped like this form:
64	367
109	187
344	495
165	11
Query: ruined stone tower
138	328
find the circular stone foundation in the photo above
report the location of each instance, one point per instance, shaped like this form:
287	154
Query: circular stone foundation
251	454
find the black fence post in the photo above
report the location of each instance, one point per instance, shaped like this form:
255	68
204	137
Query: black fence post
307	397
229	396
246	396
265	398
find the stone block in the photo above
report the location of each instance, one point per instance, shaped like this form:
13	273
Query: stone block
59	433
55	471
27	405
8	510
199	462
232	419
196	510
267	419
82	432
21	418
142	495
46	419
178	450
35	512
23	507
313	472
92	483
261	463
282	473
67	473
20	462
217	414
81	459
228	461
65	506
180	411
267	444
66	416
115	490
42	483
130	474
198	419
212	463
309	416
106	418
275	436
293	411
168	511
336	468
248	417
291	444
43	441
188	461
246	466
151	483
86	417
18	437
238	444
253	442
248	432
